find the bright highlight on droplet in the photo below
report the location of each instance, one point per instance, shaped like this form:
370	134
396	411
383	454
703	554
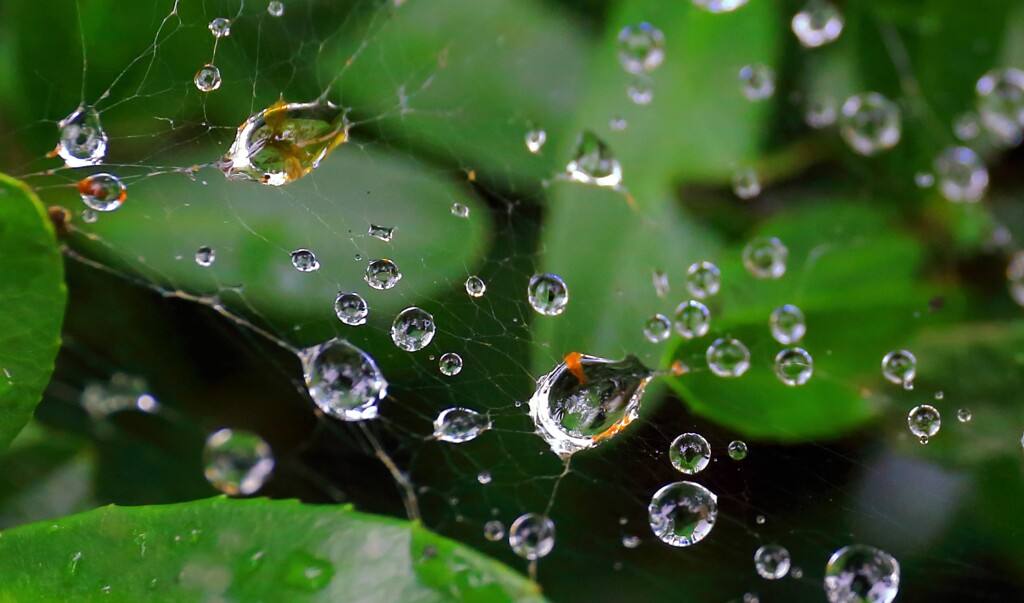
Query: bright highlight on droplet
961	174
220	27
450	364
900	367
475	286
535	140
746	184
765	257
787	324
657	328
1000	103
205	256
758	81
703	280
794	366
719	6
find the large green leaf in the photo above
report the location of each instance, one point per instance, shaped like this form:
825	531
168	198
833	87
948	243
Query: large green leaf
32	296
209	550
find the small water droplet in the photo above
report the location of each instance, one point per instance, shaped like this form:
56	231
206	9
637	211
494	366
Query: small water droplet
967	126
657	328
102	192
758	81
961	175
924	422
660	280
532	536
237	462
771	561
343	380
689	453
964	415
459	210
641	48
594	163
535	140
82	139
794	366
89	216
205	256
737	450
351	308
450	364
494	530
1015	277
384	233
817	24
208	78
305	261
682	513
692	319
820	112
703	279
760	520
923	179
475	286
861	573
728	357
484	477
220	27
548	294
746	184
899	367
787	324
413	329
719	6
640	91
457	425
1000	103
765	257
630	541
870	123
306	572
275	8
382	274
617	123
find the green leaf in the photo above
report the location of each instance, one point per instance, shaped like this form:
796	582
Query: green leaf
32	296
208	550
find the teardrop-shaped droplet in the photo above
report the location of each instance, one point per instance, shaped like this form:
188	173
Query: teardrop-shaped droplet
450	364
351	308
102	192
818	23
689	453
924	421
692	319
343	380
532	536
870	123
862	574
728	357
413	329
682	513
548	294
82	139
382	274
594	163
586	400
207	79
772	561
659	278
458	425
305	260
961	174
237	462
641	48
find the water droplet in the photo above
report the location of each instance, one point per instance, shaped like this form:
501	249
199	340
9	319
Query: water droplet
817	24
237	462
306	572
793	366
682	513
821	112
586	400
494	530
102	192
450	364
787	324
630	542
900	367
961	175
690	453
657	328
617	123
728	357
1001	104
305	261
924	421
284	142
765	257
870	123
1015	277
703	279
861	574
413	329
797	573
737	450
535	140
923	179
964	415
967	126
457	425
660	280
459	210
475	286
382	274
760	519
548	294
73	563
484	477
758	81
745	183
207	79
384	233
89	216
343	380
594	163
532	536
205	256
640	91
641	48
275	8
771	561
82	139
351	308
220	27
719	6
692	319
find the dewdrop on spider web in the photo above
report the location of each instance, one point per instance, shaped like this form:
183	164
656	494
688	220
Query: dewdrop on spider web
682	514
82	140
102	192
237	462
458	425
343	380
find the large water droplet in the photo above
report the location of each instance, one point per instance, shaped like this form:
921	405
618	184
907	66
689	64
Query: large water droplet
305	260
818	23
758	81
771	561
787	324
703	279
794	366
745	183
457	425
900	367
382	274
641	48
205	256
586	400
475	286
413	329
450	364
532	536
351	308
284	142
737	450
82	139
692	319
765	257
343	380
657	328
690	453
961	175
548	294
719	6
237	462
102	192
924	422
594	163
728	357
682	513
870	123
1001	104
861	574
535	140
494	530
208	78
220	27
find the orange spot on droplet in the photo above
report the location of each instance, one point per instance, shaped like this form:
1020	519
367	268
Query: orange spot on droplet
575	366
614	429
678	368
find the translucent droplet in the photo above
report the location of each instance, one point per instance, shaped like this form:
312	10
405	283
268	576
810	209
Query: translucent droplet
351	308
475	286
121	393
617	123
961	175
284	142
758	81
207	79
494	530
870	123
484	477
703	279
760	519
793	366
532	536
102	192
384	233
797	573
719	6
586	400
459	210
861	574
682	513
737	450
964	415
765	257
413	329
82	139
548	294
745	183
660	280
787	324
1015	277
821	112
535	140
594	163
457	425
690	453
640	91
220	27
343	380
205	256
923	179
237	462
630	542
924	421
1001	104
899	367
728	357
275	8
306	572
771	561
382	274
641	48
967	126
657	328
450	364
692	319
305	260
89	216
818	23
